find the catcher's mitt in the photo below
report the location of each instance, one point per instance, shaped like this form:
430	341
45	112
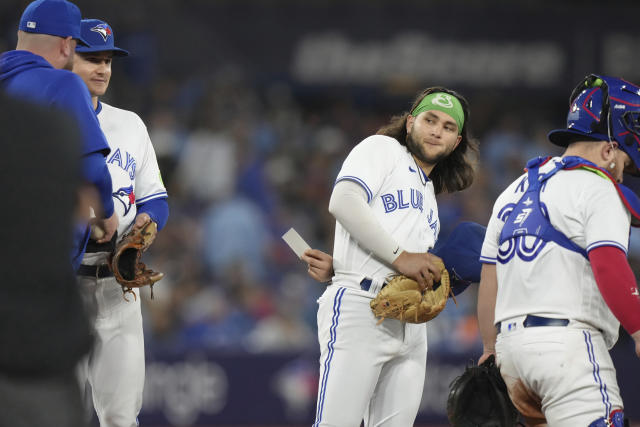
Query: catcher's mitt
402	299
125	262
479	397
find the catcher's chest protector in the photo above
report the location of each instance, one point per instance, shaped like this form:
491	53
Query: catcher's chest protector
530	217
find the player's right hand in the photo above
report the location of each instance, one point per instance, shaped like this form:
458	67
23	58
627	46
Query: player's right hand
320	264
424	268
109	226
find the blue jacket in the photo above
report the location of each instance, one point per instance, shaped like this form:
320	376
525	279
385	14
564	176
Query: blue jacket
28	76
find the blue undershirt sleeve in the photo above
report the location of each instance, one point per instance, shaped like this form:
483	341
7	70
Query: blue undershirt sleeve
157	209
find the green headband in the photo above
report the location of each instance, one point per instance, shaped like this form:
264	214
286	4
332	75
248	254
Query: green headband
442	102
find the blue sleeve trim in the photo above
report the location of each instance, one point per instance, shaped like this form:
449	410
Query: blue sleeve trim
358	181
487	260
601	243
153	196
95	171
157	209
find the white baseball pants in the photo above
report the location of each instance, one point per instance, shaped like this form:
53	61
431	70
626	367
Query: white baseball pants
367	371
567	367
115	366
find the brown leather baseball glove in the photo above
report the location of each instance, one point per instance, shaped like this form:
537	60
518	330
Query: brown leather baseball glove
402	299
125	262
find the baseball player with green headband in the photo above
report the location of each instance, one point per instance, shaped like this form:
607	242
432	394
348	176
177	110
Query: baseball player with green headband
386	222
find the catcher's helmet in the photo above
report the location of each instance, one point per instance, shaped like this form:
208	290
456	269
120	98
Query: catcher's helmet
604	108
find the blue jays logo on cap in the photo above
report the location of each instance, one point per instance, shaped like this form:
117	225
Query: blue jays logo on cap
103	30
100	38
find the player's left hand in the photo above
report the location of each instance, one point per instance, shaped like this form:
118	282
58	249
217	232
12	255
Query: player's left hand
142	220
320	264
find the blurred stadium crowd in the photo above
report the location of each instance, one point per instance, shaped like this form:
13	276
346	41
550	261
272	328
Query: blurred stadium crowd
244	158
255	164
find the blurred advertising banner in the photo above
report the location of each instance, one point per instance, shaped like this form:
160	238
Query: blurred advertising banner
249	390
400	44
198	389
335	58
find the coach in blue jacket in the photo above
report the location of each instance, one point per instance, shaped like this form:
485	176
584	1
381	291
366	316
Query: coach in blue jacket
38	71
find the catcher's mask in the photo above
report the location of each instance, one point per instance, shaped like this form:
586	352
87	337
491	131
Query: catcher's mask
604	108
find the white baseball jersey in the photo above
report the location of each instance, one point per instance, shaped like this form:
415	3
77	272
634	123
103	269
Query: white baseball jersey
546	279
117	360
132	163
402	199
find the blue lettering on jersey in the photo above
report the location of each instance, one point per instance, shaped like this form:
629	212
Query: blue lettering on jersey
401	203
505	211
391	203
433	223
525	246
116	158
129	165
417	199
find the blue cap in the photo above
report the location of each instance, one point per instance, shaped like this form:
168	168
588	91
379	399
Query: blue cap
99	37
460	252
53	17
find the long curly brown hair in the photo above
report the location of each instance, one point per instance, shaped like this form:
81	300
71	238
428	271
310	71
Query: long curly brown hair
455	172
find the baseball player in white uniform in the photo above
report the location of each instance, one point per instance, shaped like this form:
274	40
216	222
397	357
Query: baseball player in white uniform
556	283
115	368
386	222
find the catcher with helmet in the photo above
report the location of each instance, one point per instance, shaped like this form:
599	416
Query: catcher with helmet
556	284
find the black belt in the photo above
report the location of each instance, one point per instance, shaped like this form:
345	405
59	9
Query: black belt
534	321
93	246
98	271
365	284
